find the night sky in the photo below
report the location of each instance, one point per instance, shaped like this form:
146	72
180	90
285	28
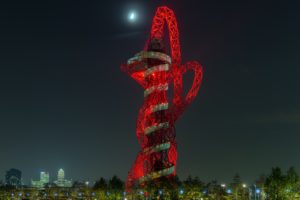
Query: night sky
65	103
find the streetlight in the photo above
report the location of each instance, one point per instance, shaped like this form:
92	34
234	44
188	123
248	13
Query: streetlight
142	193
87	183
256	192
181	191
160	192
244	189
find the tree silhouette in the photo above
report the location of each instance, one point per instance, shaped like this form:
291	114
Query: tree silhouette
101	184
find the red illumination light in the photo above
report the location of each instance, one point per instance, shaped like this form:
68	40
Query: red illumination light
155	71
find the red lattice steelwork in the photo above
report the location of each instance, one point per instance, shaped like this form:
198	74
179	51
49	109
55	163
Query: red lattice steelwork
156	71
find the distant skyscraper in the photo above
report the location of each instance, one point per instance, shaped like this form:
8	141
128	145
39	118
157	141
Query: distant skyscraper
13	177
44	179
61	175
61	181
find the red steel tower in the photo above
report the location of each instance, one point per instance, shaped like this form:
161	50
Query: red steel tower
156	72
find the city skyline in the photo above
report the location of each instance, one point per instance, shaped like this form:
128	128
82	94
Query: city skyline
66	104
44	178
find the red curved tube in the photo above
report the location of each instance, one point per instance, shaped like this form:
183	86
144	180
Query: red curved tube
155	71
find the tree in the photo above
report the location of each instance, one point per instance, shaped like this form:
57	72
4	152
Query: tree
101	184
291	183
115	188
193	188
215	191
275	184
291	176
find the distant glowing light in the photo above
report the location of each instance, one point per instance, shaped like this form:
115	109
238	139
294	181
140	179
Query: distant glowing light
181	191
257	191
132	16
